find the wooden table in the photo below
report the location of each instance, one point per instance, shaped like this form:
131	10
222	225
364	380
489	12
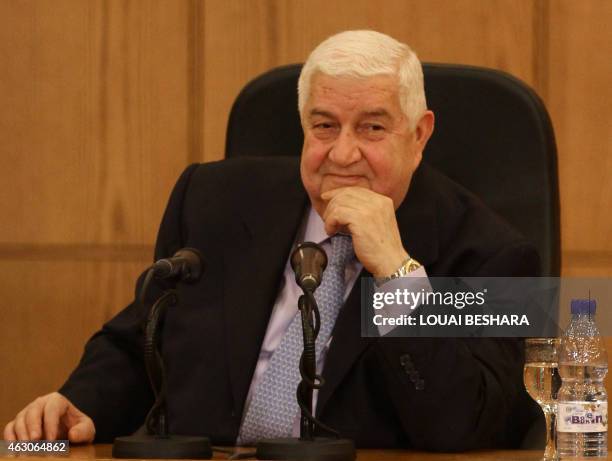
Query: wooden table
102	452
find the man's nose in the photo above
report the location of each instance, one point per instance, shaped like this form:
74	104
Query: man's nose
345	149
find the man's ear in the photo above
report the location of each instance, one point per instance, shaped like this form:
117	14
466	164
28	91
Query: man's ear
423	130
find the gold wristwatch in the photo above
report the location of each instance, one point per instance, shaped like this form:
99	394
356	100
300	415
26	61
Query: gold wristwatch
409	265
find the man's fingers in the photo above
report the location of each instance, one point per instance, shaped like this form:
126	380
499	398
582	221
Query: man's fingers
82	432
45	418
33	419
9	432
364	204
54	409
357	193
338	217
331	225
352	209
329	194
20	428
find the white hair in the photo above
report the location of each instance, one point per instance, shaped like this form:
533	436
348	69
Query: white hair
362	54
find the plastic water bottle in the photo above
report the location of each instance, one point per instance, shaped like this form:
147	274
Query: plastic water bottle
582	421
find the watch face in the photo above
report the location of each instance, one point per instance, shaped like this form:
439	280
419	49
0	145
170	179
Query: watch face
412	265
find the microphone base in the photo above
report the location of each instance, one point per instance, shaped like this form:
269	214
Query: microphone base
156	447
319	449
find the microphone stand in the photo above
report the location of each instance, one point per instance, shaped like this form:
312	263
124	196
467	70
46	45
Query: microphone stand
157	443
308	365
308	447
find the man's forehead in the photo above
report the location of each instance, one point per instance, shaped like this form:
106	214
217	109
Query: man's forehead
379	112
375	96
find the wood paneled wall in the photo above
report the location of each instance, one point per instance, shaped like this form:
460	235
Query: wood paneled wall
104	102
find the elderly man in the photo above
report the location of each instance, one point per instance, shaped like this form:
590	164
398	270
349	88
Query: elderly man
365	121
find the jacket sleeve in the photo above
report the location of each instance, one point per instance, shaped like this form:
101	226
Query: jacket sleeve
110	383
455	394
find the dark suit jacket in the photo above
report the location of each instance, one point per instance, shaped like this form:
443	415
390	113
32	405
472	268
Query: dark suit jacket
243	215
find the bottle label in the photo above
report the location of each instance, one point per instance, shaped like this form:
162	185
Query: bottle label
582	417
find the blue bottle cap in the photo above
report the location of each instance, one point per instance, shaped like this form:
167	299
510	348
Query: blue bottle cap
583	306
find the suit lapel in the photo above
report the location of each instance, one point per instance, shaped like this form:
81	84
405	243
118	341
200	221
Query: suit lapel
253	266
417	225
346	346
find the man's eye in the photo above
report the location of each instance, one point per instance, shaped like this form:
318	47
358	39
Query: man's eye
373	131
324	130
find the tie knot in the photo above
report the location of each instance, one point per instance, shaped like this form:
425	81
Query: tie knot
342	250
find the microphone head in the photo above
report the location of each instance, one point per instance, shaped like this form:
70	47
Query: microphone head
192	264
308	261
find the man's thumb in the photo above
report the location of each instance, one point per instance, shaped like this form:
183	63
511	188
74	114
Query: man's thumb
82	432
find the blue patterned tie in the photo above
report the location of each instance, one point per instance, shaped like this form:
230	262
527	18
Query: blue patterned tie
273	406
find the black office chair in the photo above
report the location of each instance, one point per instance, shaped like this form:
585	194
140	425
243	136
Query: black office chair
492	135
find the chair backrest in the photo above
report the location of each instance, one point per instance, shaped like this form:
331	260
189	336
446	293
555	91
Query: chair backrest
493	136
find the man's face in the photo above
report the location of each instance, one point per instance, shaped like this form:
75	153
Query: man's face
355	134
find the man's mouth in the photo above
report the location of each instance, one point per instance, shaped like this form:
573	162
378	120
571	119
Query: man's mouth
345	179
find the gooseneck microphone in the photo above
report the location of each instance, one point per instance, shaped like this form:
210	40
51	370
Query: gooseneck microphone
157	442
186	264
308	262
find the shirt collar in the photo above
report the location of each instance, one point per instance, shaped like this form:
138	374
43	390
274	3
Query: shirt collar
315	228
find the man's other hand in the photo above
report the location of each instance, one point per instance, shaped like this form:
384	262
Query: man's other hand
51	417
370	219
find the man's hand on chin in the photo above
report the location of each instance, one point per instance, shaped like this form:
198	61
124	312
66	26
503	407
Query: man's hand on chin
370	219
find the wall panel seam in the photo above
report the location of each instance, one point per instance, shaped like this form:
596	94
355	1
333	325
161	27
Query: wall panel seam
76	252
